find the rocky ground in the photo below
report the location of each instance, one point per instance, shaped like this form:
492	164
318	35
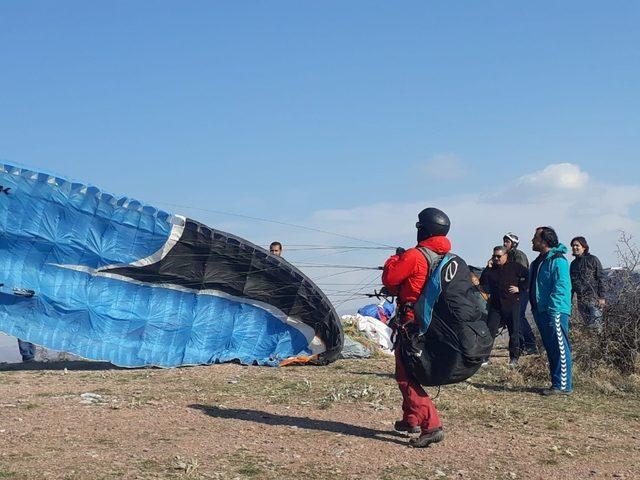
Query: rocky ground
77	420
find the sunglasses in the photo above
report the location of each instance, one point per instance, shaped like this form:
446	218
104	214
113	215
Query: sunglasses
498	256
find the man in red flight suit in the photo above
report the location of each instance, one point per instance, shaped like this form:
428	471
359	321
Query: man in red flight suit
405	275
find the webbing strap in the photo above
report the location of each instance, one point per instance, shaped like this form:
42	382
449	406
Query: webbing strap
432	288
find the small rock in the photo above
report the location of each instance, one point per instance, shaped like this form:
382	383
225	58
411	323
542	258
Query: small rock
93	396
179	465
440	474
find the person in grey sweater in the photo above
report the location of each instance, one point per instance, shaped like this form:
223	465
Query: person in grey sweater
527	338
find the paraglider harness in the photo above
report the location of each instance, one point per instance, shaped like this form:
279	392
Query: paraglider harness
400	325
448	338
402	328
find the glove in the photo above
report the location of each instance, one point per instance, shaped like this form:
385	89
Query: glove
400	251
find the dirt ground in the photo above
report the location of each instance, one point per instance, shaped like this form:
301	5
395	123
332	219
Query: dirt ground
233	421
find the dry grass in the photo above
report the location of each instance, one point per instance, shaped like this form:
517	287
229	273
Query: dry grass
230	421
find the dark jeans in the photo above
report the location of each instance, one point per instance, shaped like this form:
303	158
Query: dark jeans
590	313
510	318
527	338
27	350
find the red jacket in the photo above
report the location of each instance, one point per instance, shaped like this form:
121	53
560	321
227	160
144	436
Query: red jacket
404	275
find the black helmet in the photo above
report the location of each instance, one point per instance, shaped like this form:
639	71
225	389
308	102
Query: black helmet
432	222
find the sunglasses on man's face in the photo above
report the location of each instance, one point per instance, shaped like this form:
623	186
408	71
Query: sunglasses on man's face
498	256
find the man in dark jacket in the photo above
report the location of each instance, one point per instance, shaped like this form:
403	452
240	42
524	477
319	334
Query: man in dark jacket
27	351
587	283
510	242
527	339
504	280
405	275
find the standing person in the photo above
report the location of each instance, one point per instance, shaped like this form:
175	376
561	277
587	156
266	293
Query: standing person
276	249
527	340
405	275
550	296
587	282
504	281
27	351
510	242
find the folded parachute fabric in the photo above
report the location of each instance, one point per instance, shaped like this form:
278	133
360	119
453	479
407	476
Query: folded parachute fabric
373	329
120	281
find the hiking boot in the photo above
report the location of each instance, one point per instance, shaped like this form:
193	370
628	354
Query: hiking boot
427	439
513	363
403	426
548	392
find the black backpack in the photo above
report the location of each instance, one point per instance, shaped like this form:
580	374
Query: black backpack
452	338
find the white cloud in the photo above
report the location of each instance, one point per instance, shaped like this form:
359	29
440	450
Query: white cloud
561	195
560	176
444	167
554	183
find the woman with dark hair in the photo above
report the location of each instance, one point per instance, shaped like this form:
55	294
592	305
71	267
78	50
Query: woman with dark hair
587	282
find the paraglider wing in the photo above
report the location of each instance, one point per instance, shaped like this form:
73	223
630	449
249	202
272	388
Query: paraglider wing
117	280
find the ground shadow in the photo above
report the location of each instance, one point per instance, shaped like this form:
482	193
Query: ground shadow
267	418
505	388
375	374
68	364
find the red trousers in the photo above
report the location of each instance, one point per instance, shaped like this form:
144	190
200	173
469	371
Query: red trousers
417	407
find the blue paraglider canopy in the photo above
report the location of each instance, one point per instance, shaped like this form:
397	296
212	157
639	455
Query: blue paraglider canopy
382	312
117	280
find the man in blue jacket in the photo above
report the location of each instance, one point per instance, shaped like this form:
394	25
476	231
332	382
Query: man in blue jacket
550	296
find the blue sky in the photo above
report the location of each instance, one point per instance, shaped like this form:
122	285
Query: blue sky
347	116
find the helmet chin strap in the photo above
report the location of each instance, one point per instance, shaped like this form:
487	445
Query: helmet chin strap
422	234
